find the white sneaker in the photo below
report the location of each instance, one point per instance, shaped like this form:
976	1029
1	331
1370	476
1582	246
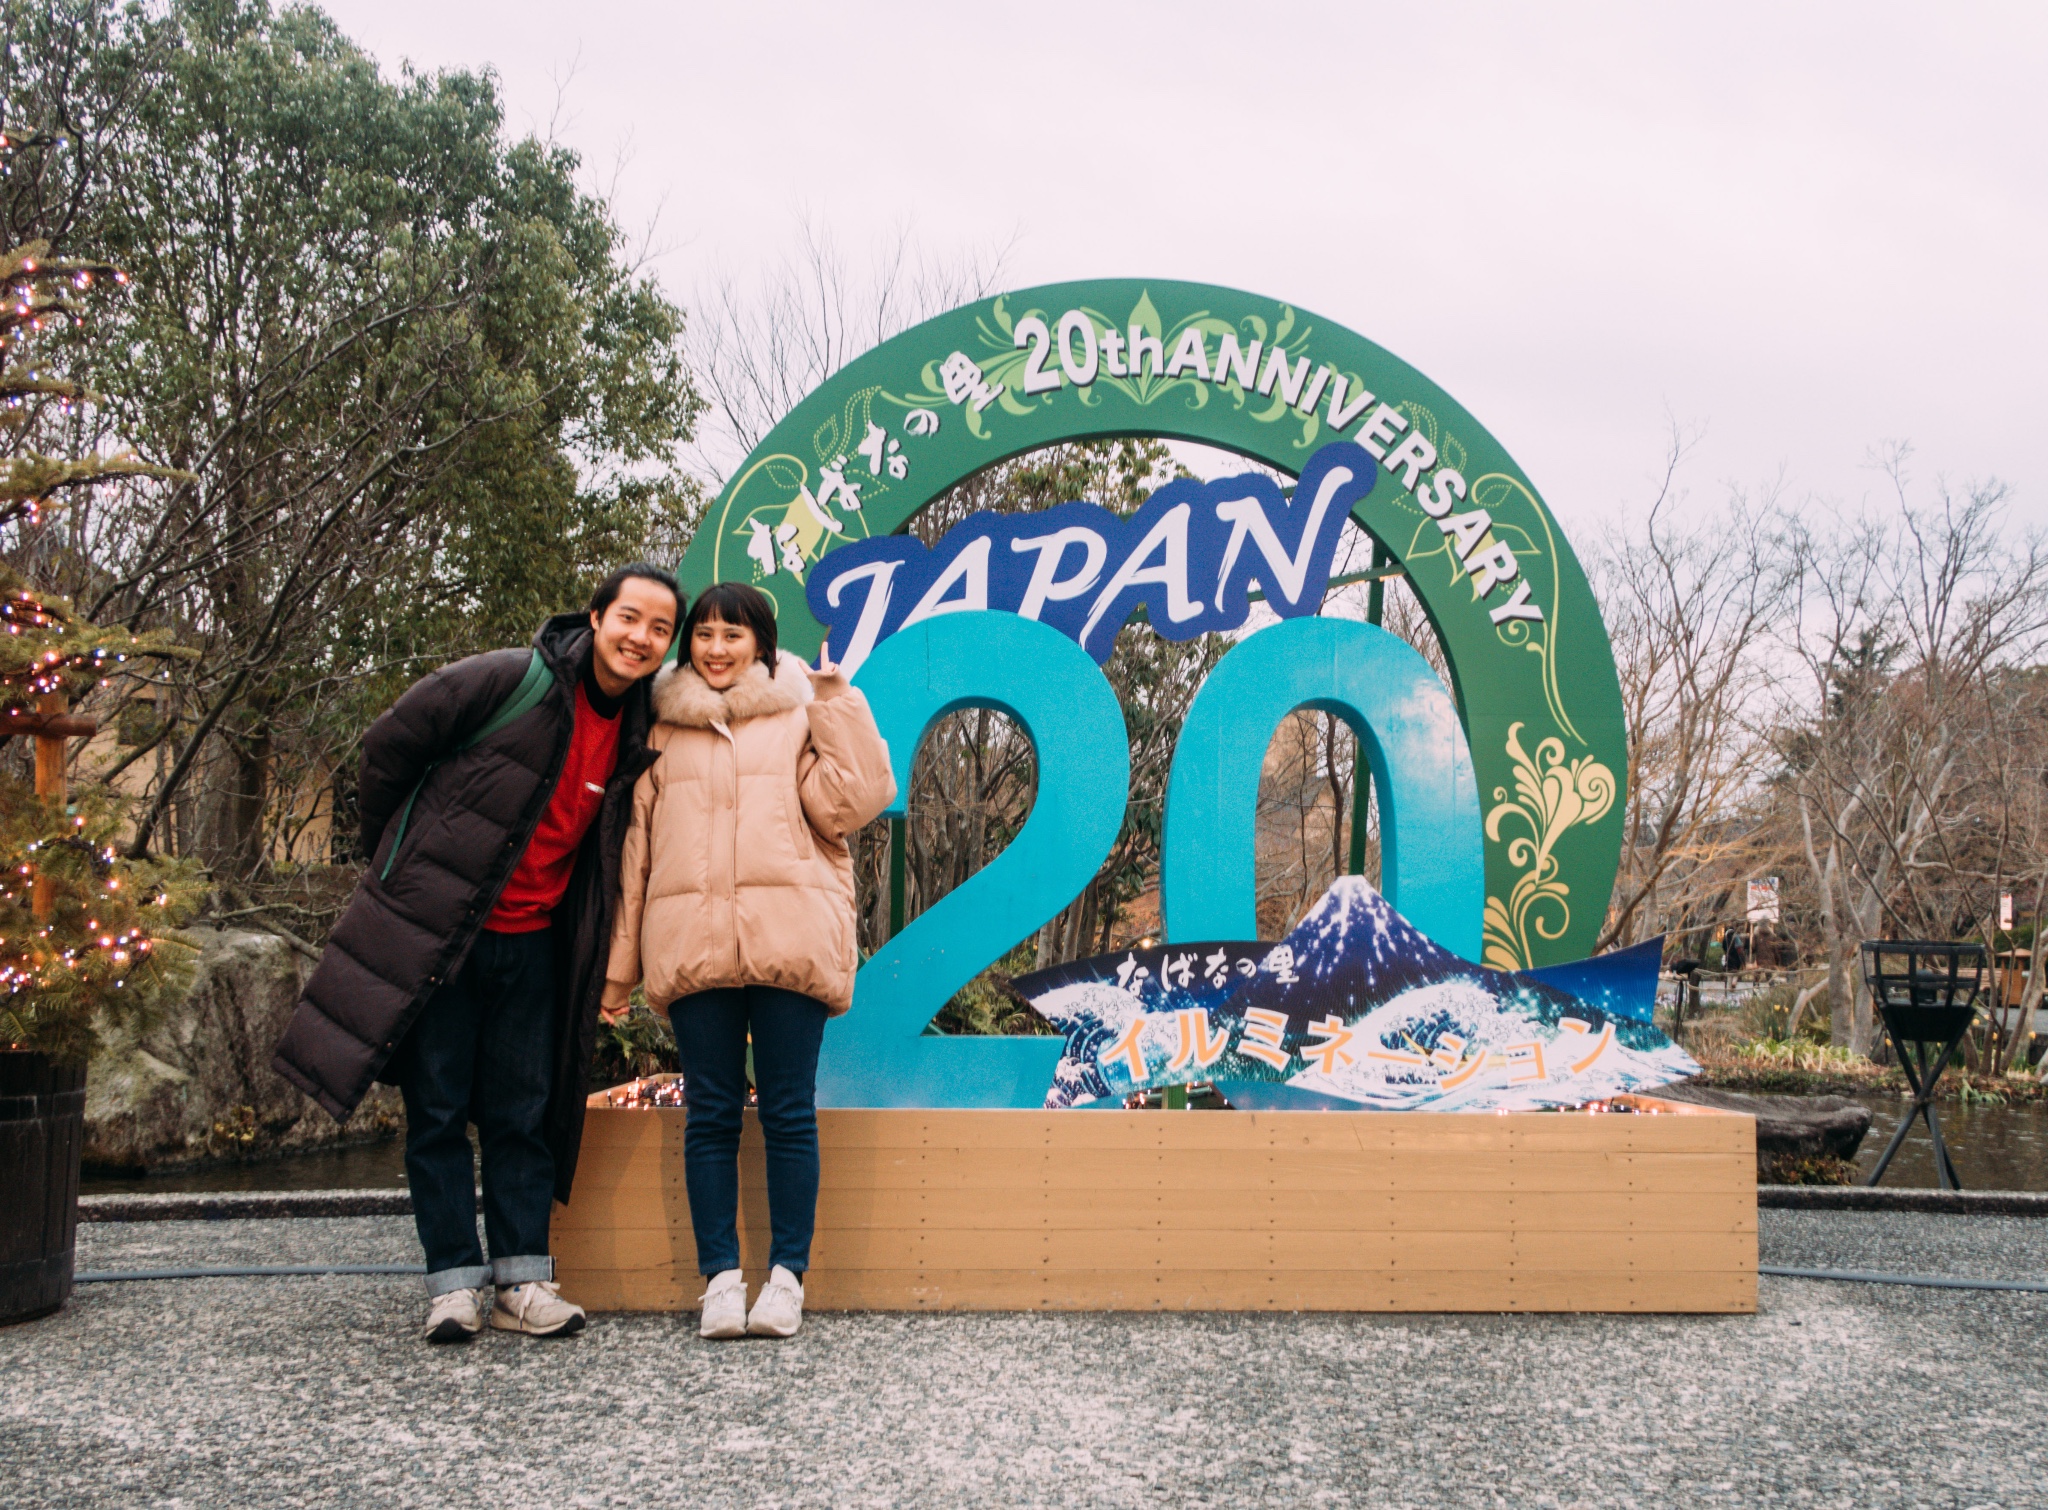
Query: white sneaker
537	1309
780	1310
725	1306
455	1316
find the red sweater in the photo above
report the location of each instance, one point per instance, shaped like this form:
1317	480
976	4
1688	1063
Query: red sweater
543	872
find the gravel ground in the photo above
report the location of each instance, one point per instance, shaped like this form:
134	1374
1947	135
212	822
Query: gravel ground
313	1392
1966	1247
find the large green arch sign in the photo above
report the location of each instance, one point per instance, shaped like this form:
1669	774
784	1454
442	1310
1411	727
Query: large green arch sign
1532	670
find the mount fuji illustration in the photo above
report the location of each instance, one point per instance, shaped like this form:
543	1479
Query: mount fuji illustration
1355	1007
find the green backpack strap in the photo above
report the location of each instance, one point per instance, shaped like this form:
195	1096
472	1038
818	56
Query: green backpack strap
524	699
533	687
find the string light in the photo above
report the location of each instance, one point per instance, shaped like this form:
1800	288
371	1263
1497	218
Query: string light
103	956
653	1091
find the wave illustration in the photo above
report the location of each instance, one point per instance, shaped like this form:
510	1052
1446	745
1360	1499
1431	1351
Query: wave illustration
1358	1006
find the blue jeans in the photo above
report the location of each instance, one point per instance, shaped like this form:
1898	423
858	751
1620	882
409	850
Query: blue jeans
711	1038
483	1051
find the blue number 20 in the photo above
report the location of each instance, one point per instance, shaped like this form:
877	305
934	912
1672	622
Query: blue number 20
879	1055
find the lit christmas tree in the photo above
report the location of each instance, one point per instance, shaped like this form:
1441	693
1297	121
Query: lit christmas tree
82	928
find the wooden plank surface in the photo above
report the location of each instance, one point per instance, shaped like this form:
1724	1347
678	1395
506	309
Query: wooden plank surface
1244	1170
845	1129
1200	1210
837	1248
1215	1290
652	1207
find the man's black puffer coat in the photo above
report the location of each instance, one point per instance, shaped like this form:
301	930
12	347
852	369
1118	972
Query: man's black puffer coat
402	935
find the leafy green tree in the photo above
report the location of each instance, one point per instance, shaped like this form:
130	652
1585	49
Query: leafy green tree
422	394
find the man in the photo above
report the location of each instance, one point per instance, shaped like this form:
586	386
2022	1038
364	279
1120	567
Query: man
495	796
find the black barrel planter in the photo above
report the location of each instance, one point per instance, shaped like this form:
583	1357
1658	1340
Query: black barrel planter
42	1128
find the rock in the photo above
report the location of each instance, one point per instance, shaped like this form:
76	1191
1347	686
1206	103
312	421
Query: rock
1787	1127
199	1084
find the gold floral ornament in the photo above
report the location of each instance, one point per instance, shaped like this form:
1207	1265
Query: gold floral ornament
1551	796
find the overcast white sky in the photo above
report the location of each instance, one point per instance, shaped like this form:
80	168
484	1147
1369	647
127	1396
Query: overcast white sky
1803	228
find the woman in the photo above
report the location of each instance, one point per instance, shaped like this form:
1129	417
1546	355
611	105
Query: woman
738	912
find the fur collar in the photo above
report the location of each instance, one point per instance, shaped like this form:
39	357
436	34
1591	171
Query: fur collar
682	697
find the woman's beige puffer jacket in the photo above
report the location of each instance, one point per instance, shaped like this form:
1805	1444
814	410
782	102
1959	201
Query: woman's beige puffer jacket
735	870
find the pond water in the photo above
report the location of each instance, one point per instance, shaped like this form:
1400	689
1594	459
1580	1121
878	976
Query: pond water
365	1166
1994	1147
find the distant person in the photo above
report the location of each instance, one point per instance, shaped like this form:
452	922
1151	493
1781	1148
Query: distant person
738	913
1768	946
495	797
1734	954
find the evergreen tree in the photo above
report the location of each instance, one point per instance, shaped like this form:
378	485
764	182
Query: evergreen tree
82	931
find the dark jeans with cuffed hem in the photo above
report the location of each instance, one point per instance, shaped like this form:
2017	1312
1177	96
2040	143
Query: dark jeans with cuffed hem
712	1029
483	1051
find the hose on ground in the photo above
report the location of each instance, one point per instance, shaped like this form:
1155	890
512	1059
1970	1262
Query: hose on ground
252	1271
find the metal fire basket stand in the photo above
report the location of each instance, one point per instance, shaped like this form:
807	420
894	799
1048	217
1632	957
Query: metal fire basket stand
1927	993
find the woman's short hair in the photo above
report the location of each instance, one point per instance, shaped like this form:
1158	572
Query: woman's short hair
736	603
608	590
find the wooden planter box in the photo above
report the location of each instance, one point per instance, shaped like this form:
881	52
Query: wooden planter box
1200	1211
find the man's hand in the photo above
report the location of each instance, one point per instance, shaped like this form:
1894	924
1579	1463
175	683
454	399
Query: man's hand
616	1003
